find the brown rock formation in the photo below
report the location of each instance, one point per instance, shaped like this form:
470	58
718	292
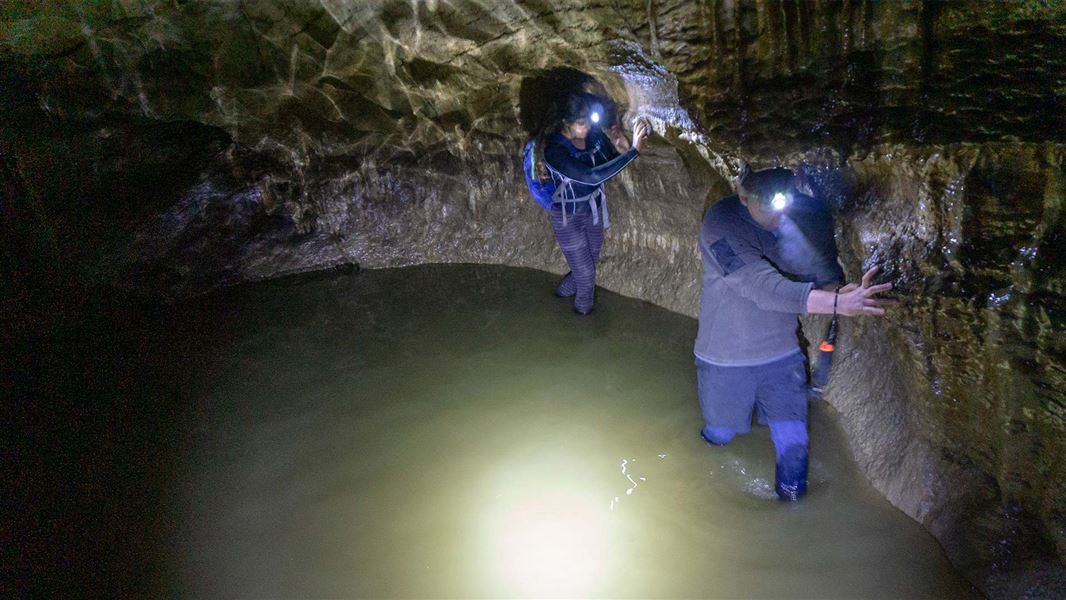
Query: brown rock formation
172	147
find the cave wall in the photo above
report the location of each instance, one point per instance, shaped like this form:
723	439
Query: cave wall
970	365
168	148
936	128
381	133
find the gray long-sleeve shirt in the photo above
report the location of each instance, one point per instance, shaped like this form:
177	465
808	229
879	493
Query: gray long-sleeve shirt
756	282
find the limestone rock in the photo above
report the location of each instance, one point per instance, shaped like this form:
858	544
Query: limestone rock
168	148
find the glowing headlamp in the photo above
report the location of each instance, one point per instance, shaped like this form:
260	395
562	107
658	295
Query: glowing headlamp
779	201
596	113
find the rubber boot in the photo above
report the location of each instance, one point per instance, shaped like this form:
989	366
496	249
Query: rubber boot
790	445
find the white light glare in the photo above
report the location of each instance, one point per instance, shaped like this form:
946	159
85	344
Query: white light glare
545	532
595	117
779	201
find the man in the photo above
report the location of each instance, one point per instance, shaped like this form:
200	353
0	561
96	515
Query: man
761	269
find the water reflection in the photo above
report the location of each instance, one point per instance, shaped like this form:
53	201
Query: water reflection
455	431
544	532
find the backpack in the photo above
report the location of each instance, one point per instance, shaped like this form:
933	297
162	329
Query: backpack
541	191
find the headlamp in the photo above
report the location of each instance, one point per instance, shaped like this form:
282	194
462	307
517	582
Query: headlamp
596	113
779	201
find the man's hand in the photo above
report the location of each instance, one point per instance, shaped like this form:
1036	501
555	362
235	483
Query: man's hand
854	299
858	299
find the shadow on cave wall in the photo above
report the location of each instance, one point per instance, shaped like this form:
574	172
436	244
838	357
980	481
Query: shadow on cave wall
541	95
76	189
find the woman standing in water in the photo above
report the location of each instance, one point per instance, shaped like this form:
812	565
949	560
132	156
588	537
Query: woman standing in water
579	157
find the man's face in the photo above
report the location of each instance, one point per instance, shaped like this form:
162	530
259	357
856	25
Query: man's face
763	213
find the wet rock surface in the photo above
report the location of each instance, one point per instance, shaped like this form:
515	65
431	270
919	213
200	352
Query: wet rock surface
954	400
773	76
164	149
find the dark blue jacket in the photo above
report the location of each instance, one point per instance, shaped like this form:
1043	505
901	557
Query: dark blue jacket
587	169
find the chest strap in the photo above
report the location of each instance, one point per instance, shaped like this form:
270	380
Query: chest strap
564	194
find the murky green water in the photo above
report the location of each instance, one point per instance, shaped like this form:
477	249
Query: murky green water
457	431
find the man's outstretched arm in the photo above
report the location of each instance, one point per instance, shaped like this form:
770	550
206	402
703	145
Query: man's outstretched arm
853	300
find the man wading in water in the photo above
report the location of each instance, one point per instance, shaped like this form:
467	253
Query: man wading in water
760	272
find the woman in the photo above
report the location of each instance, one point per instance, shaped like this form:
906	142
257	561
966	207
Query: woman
579	157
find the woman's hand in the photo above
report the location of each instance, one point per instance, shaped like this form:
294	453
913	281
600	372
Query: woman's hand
618	138
640	133
858	299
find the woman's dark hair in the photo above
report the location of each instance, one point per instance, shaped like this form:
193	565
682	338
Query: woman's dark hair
576	107
572	107
548	126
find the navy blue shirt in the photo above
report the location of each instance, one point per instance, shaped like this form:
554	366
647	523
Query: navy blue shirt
589	168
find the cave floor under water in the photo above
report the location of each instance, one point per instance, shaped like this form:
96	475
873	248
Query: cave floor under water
456	431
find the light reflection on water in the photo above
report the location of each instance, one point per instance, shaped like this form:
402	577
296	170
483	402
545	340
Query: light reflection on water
457	431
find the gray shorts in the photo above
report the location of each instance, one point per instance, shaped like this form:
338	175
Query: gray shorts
728	395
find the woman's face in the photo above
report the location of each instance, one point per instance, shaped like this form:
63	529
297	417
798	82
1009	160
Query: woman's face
578	129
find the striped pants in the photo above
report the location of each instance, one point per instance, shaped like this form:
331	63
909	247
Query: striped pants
580	240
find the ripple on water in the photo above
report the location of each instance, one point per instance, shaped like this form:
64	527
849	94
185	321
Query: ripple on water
457	431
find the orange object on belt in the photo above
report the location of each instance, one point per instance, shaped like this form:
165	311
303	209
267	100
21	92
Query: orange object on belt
826	346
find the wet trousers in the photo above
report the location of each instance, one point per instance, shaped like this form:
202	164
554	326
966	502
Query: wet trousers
729	395
580	240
